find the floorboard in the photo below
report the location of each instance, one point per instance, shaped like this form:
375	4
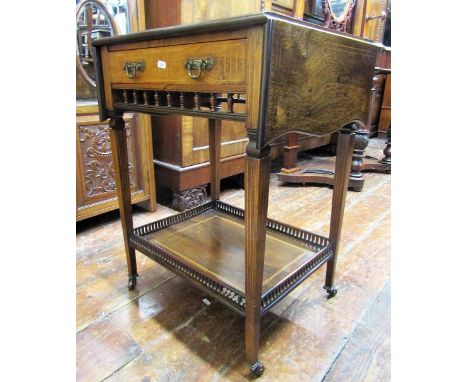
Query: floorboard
163	331
366	356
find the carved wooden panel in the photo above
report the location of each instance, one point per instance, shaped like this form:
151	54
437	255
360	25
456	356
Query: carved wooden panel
95	160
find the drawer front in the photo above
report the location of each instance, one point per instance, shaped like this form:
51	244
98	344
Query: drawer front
165	66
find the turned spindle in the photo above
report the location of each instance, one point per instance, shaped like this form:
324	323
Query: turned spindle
212	102
135	97
156	98
182	100
169	99
145	97
125	96
230	103
196	99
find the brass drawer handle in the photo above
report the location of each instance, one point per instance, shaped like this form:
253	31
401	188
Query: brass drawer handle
382	16
132	68
194	66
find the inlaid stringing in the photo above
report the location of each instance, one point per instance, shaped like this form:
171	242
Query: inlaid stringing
291	76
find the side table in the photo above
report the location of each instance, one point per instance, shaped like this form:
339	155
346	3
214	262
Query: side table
289	73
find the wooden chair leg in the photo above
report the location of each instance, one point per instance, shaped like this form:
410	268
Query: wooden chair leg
342	169
214	127
122	179
257	177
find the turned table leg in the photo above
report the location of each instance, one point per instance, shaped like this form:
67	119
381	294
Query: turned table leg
122	179
373	164
387	159
257	181
342	169
360	144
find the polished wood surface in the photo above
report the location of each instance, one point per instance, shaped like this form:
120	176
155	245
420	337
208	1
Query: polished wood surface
369	17
256	207
229	59
298	98
276	34
340	183
162	330
291	148
219	239
120	153
376	102
183	178
350	89
190	135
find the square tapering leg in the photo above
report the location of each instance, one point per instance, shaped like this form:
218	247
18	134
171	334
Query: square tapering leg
257	179
342	169
122	179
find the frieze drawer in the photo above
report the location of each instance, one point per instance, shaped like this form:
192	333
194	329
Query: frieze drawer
179	66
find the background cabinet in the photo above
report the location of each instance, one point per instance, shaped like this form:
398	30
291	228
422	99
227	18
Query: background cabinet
95	179
95	183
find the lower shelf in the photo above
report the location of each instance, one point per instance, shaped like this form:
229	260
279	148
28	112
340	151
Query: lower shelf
206	246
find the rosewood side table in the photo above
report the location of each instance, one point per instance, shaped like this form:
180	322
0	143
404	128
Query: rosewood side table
288	73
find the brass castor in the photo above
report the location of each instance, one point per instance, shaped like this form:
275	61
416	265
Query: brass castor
257	369
132	282
332	291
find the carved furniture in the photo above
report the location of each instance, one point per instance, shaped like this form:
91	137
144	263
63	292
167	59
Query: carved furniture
95	182
290	74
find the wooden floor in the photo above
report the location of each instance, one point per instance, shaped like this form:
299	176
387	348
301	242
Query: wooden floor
162	331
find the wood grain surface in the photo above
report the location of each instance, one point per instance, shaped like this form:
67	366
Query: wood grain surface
319	81
219	239
228	57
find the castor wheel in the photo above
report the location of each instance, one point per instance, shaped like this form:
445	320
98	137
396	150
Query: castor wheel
332	291
257	369
132	282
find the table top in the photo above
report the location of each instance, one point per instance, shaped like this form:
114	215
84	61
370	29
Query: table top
223	24
294	76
